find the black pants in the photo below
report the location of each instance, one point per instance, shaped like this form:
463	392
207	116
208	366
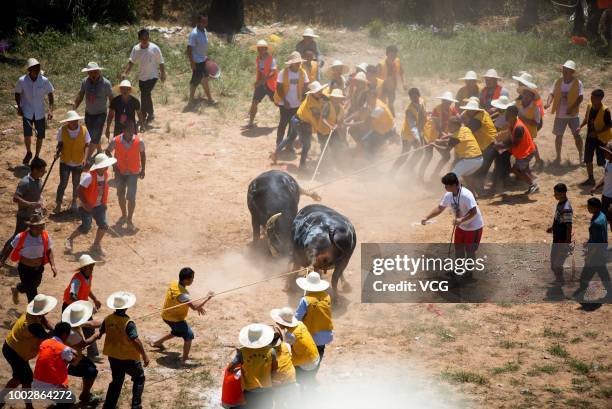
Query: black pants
488	157
85	369
29	280
66	172
119	368
146	102
285	116
502	168
588	272
20	367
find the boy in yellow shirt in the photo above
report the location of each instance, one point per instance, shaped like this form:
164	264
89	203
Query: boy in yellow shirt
391	72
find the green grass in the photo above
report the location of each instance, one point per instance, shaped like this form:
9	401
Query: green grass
547	369
465	377
557	350
550	333
590	334
579	366
508	367
605	393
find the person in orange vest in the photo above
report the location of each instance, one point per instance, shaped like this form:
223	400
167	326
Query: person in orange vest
23	342
72	144
529	104
522	148
124	350
31	249
54	356
491	91
391	72
131	162
79	289
176	307
93	194
599	133
265	80
565	97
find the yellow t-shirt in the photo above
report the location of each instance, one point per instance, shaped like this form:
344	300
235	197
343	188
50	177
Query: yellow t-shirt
468	146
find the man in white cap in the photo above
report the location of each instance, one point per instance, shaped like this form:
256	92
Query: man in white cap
97	92
30	92
565	96
124	350
265	79
124	108
148	56
23	341
357	96
492	90
93	194
197	53
73	140
292	83
470	89
309	43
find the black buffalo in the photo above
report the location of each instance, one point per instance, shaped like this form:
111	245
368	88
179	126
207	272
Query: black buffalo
273	199
323	238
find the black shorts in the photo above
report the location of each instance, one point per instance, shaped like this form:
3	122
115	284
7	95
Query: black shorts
40	125
260	93
20	367
85	369
591	147
198	73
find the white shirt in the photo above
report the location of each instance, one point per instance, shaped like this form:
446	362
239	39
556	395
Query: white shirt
86	181
292	96
33	95
148	60
32	246
607	187
73	134
464	203
565	88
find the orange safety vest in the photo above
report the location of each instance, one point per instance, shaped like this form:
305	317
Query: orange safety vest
91	191
496	94
267	69
22	236
128	160
84	288
50	366
526	147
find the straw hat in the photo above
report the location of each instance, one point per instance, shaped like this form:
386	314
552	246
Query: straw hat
256	336
470	75
525	79
337	93
312	282
71	116
262	44
447	96
338	63
31	63
294	58
360	76
472	105
92	66
362	67
503	102
78	313
102	161
284	316
315	87
85	260
36	219
570	65
41	304
121	300
124	84
309	32
491	73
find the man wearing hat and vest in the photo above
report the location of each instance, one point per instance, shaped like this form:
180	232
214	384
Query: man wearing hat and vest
131	161
97	92
492	90
283	379
93	194
308	43
468	156
391	72
124	108
79	289
529	111
380	125
30	92
23	341
412	129
470	89
599	133
265	79
124	350
336	73
176	307
73	140
502	161
258	363
565	96
31	249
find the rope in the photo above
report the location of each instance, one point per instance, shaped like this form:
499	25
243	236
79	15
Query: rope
125	242
565	5
321	157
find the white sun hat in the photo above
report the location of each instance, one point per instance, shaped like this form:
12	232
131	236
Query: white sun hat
360	76
284	316
361	67
102	161
336	93
525	79
92	66
312	282
262	43
470	75
503	102
41	304
294	58
491	73
124	84
32	62
472	105
256	336
78	313
86	260
570	65
120	300
71	116
447	96
309	32
315	87
338	63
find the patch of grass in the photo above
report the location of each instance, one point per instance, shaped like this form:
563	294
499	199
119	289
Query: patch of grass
508	367
550	333
579	366
557	350
552	389
465	377
605	393
590	334
576	340
578	403
445	335
376	28
507	344
547	369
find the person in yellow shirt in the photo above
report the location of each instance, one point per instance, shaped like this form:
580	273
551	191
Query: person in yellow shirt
311	66
391	72
412	130
375	84
378	123
331	124
468	156
470	89
284	378
597	120
176	307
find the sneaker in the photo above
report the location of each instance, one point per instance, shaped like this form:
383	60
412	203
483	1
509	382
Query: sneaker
588	182
533	189
27	158
68	245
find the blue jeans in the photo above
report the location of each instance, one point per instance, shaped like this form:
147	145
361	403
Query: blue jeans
65	172
297	127
126	183
98	213
95	126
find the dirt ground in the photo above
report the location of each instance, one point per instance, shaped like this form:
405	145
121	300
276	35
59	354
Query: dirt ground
192	212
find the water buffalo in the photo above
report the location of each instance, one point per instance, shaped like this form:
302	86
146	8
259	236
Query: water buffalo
323	238
273	199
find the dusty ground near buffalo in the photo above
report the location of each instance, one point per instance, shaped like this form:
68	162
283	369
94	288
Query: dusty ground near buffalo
192	212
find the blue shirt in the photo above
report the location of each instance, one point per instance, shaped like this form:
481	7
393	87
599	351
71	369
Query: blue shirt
598	230
321	337
198	41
